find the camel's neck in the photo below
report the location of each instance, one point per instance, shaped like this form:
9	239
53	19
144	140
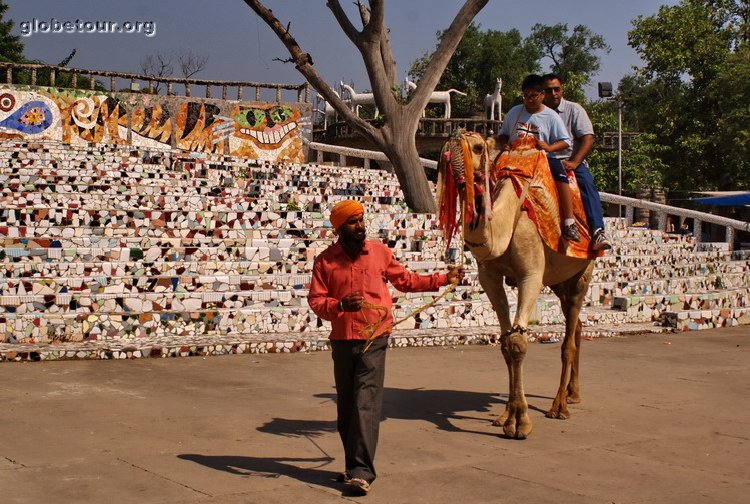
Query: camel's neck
490	239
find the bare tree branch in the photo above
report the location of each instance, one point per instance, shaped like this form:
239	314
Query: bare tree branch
303	63
375	25
346	25
441	56
157	65
386	54
191	63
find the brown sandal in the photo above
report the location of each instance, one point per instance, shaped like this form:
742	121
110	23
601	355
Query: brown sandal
359	486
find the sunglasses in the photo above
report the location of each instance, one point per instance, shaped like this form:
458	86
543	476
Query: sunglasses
555	89
529	96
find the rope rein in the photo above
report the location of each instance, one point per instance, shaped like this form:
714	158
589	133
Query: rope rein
373	330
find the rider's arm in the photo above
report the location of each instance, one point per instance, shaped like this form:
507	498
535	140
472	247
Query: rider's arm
502	142
581	149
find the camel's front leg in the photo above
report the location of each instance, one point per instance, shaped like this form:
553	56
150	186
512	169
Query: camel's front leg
515	420
491	280
515	344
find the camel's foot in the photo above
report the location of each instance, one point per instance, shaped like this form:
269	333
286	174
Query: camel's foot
574	396
517	426
574	399
500	421
558	410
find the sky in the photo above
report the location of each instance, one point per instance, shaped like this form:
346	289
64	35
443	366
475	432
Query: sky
239	46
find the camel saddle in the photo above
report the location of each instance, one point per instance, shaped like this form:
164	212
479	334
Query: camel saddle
528	169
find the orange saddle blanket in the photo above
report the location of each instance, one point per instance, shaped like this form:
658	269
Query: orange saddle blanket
526	165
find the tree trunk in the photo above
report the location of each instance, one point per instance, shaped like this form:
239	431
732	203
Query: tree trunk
402	152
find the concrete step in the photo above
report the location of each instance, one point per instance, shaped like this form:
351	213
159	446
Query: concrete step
92	322
693	320
282	342
642	308
678	285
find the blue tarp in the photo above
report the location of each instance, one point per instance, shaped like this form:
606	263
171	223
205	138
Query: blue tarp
733	200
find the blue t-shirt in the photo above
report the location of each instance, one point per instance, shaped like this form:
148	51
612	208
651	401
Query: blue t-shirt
545	125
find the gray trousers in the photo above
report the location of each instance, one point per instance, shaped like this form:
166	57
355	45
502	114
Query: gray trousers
359	402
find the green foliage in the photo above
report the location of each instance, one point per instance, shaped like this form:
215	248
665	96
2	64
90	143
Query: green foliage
573	55
693	93
680	41
482	57
11	47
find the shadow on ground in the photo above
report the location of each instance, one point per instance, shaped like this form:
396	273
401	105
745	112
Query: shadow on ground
306	470
439	407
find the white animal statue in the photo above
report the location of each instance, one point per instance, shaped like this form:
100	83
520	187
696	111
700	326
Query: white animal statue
355	99
493	103
443	97
328	112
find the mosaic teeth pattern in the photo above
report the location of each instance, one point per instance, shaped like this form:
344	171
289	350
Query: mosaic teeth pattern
104	255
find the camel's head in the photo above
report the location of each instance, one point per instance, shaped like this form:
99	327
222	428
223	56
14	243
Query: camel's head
462	178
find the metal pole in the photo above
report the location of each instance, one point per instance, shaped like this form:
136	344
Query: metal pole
619	151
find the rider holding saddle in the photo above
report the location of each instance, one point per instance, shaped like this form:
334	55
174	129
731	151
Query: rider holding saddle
533	118
573	159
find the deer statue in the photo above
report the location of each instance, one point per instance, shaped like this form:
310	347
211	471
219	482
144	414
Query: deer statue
355	99
494	102
443	97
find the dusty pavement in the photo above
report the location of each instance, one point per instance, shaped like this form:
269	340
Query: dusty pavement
664	419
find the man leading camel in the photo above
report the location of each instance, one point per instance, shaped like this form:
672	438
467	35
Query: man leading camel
348	279
533	118
574	158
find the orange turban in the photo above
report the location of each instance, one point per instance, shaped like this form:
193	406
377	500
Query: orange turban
343	210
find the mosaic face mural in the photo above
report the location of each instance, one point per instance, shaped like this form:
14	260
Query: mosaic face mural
269	132
272	132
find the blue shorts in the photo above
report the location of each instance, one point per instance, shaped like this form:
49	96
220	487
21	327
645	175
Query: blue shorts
558	171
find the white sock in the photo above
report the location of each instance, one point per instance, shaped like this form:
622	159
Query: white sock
568	222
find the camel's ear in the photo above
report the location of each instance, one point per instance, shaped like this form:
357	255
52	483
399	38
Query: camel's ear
492	151
491	143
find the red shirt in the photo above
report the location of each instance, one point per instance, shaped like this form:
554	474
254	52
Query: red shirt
336	275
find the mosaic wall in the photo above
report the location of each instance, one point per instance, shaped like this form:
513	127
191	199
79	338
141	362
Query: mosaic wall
267	132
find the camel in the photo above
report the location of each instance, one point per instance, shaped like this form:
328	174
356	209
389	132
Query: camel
506	244
494	102
443	97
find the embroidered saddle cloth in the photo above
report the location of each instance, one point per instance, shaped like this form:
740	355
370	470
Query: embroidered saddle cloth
526	165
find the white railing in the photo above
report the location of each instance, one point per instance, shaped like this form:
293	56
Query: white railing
663	212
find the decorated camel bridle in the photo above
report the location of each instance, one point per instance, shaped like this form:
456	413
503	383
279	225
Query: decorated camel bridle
459	184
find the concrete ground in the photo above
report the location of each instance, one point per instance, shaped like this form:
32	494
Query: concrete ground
664	419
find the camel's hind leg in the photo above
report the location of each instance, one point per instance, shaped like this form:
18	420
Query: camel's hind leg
574	387
571	294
